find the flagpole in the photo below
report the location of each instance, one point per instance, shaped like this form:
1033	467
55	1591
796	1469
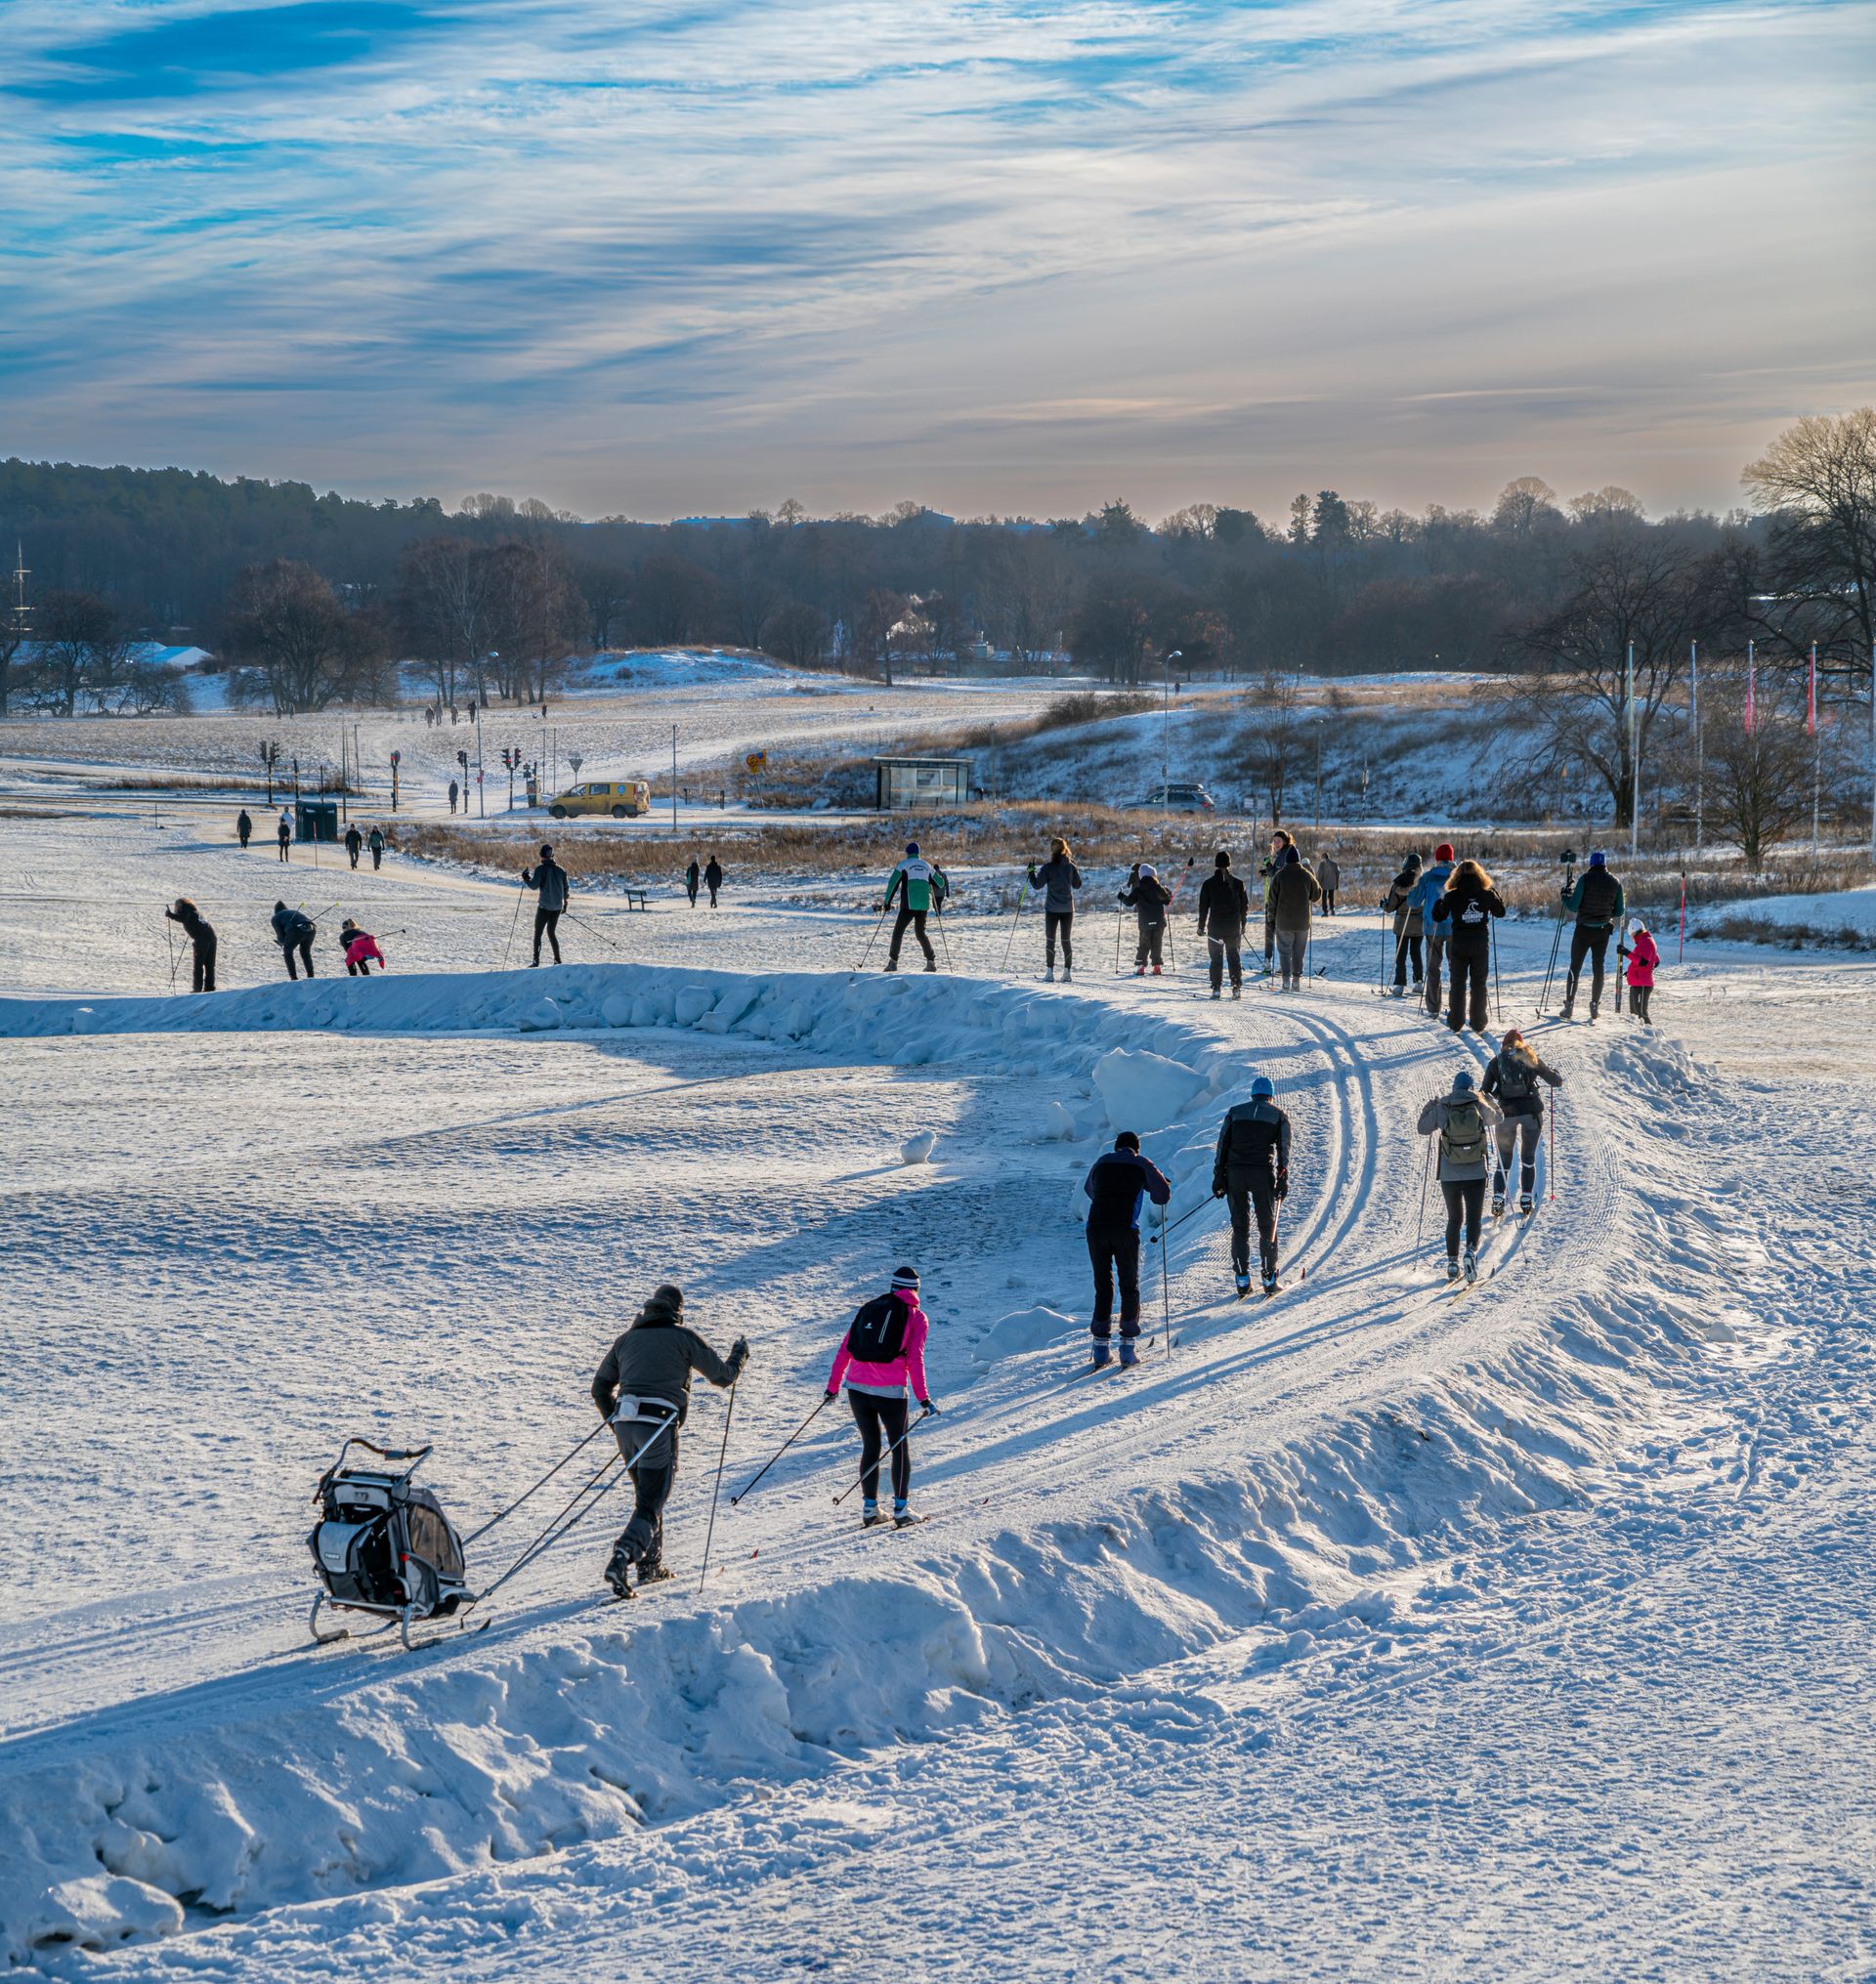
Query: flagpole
1816	750
1699	758
1635	769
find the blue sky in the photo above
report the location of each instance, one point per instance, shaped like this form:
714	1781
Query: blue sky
999	255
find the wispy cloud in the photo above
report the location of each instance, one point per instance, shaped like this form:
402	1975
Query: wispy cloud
664	258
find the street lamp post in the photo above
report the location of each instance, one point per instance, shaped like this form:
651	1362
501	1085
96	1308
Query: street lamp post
1166	727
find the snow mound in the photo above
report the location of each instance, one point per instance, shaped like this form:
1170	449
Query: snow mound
676	668
916	1148
1144	1091
1653	1061
1059	1125
1021	1331
540	1018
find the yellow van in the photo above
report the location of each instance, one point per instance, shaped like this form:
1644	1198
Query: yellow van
622	798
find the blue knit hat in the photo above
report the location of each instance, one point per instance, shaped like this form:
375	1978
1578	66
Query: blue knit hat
1264	1085
1462	1083
1599	860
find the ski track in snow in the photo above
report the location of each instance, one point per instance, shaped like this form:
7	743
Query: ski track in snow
1376	1630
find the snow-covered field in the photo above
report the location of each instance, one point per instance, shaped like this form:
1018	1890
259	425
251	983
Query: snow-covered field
1371	1632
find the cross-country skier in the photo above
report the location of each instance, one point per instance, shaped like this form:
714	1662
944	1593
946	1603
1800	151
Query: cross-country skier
294	931
1462	1120
1281	842
1643	958
1292	888
1116	1184
360	948
713	877
283	836
1597	899
1510	1079
644	1383
354	843
376	845
551	880
1329	874
243	828
1224	909
1399	900
1462	914
1058	878
1251	1169
1149	899
882	1353
202	936
921	887
691	876
1426	897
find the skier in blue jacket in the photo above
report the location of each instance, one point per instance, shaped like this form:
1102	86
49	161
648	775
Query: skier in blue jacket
1428	892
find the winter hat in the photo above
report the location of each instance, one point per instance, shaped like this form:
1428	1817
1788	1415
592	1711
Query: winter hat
1221	860
669	1294
1599	860
1149	872
548	851
1637	928
1412	861
1462	1083
912	848
1264	1085
1443	852
905	1278
1291	857
1127	1140
278	907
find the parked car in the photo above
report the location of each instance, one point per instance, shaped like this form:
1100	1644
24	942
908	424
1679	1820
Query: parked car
1177	798
622	798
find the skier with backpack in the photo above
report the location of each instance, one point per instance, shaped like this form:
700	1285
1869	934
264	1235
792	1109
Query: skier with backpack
1462	1120
1425	899
1224	909
1251	1169
354	843
921	887
1117	1184
1643	958
1399	900
201	937
550	880
1149	899
1511	1079
1058	878
643	1387
1597	897
294	931
1462	914
882	1353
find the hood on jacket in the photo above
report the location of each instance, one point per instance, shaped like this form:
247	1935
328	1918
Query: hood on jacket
663	1311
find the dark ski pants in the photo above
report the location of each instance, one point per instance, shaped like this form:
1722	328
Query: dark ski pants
882	1426
202	976
1465	1199
1471	975
377	859
1594	946
1224	952
1116	1258
285	845
1436	953
642	1540
1406	950
547	924
1150	949
1058	923
353	855
244	840
1247	1190
362	969
715	886
1328	902
1524	1131
1639	997
305	950
689	889
914	920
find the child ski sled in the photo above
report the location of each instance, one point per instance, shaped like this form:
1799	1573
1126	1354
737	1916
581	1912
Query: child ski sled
882	1351
1511	1077
1252	1168
1461	1118
1116	1184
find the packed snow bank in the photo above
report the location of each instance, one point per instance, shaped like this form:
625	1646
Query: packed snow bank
1841	916
676	668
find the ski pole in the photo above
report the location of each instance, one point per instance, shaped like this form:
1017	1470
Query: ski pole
1166	1300
1013	928
1420	1232
946	942
1119	917
515	924
874	938
729	1413
1550	1170
780	1451
1498	991
1160	1237
170	938
885	1461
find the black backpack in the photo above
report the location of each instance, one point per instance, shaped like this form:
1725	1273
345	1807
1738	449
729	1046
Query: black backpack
878	1332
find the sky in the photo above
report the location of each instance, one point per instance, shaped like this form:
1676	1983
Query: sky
995	256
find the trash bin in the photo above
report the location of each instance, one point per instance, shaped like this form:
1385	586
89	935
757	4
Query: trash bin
317	819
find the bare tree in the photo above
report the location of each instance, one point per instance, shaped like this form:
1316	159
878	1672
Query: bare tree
796	633
284	620
537	613
1758	780
1273	741
1819	479
83	650
447	606
1523	504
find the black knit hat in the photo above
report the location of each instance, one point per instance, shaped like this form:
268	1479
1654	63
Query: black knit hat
905	1278
1221	860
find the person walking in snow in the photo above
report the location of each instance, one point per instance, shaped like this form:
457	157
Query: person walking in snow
1250	1171
714	878
1597	899
283	836
1425	895
354	843
1462	1120
691	876
1292	888
376	845
1224	909
1149	899
243	829
1462	914
1058	878
643	1386
882	1353
294	931
1329	874
202	936
454	788
360	948
1117	1185
1510	1079
1399	900
1281	842
921	887
1643	958
550	880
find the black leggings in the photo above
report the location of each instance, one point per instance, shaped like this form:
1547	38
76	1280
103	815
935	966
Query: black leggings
1406	948
1115	1257
1060	922
547	923
881	1421
1465	1197
1594	946
202	973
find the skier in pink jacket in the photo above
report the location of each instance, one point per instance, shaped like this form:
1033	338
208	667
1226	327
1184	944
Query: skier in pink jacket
1643	956
882	1353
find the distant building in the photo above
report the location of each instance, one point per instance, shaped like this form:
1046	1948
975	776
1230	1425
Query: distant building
915	785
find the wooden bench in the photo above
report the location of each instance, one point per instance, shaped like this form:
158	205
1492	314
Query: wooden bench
636	899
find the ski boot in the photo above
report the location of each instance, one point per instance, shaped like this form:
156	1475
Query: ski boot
1157	972
619	1569
1592	1011
652	1573
1216	993
1068	975
870	1516
1525	1204
1048	977
1400	992
931	964
902	1517
1498	1206
1269	1281
1243	1282
1103	1355
1129	1353
1451	1267
892	964
1237	992
1471	1265
1139	971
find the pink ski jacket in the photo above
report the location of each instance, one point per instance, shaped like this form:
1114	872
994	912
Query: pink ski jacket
1642	959
361	946
908	1365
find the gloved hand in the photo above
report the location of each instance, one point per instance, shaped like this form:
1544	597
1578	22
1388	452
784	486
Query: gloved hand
831	1396
1217	1190
1283	1184
930	1411
738	1356
878	909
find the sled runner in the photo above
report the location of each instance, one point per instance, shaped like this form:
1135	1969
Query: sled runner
383	1546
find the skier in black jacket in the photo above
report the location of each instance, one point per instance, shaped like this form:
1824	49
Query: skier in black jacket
1462	913
1407	923
1148	897
691	876
642	1384
1599	903
294	931
714	878
201	935
551	878
1115	1186
1252	1167
376	845
1510	1079
1225	907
